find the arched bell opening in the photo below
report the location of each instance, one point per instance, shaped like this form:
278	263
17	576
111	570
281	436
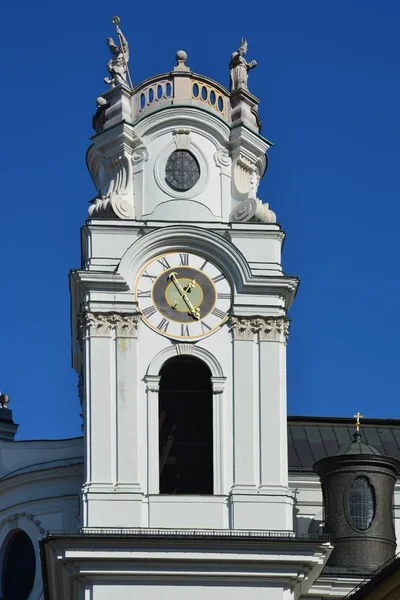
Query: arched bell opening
185	427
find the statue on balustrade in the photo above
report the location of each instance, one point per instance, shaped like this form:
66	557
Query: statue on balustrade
118	64
239	68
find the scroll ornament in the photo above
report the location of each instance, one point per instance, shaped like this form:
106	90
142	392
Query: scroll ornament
112	176
113	171
252	209
246	179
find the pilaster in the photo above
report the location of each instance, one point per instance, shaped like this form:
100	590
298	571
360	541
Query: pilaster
113	492
272	338
260	497
96	332
244	406
152	389
127	434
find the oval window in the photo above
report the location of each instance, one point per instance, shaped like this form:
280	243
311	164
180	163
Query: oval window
182	170
19	567
362	503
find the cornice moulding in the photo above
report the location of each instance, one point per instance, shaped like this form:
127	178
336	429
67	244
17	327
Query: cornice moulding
181	237
35	477
104	281
119	130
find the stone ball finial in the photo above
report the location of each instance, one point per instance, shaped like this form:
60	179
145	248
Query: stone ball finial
4	400
100	101
181	56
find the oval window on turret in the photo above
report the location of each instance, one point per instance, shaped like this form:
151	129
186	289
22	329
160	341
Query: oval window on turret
182	170
362	503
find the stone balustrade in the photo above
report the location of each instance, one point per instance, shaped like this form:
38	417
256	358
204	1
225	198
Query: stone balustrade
180	87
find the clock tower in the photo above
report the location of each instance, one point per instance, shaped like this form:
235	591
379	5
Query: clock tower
179	329
180	312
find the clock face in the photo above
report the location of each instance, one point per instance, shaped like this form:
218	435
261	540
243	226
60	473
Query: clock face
183	295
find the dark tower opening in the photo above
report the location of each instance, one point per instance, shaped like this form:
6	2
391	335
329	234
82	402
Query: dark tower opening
185	427
19	567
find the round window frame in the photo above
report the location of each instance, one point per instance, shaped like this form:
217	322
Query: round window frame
159	171
193	157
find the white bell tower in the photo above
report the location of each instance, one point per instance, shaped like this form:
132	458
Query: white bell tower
180	313
179	329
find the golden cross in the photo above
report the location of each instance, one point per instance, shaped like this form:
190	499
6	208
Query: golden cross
357	417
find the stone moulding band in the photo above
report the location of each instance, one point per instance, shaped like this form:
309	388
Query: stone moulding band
271	329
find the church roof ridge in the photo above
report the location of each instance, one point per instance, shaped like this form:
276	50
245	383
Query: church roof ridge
326	420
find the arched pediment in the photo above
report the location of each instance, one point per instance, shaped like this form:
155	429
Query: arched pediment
185	238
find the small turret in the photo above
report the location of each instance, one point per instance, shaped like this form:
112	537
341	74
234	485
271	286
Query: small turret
358	486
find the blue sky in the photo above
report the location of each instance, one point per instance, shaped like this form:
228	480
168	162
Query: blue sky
329	84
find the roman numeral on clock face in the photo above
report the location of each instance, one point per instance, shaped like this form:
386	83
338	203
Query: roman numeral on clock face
204	327
221	296
163	325
218	313
147	312
185	330
152	277
184	258
218	278
143	294
164	263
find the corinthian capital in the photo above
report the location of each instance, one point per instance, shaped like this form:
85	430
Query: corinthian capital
104	325
273	329
126	325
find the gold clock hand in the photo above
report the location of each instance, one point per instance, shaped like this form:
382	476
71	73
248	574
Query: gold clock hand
178	286
172	277
189	286
195	312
